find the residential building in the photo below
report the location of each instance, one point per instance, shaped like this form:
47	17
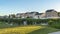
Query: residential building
27	14
36	15
51	14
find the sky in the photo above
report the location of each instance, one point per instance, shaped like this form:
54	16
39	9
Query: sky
21	6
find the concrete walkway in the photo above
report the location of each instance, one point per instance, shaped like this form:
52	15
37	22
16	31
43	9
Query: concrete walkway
55	32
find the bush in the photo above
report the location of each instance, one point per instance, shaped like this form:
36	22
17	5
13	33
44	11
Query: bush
54	23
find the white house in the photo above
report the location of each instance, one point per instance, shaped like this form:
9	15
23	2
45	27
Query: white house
51	14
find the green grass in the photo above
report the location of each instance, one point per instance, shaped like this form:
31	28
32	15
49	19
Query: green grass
45	30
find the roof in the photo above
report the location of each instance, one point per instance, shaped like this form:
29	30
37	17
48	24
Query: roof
51	10
30	12
38	13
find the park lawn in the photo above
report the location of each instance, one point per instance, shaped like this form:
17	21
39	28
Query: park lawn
20	30
45	30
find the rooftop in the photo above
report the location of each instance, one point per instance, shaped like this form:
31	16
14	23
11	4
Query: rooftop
51	10
38	13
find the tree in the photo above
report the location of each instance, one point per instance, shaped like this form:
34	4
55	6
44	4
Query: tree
50	22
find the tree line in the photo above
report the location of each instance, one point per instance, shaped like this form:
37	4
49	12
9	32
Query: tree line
28	21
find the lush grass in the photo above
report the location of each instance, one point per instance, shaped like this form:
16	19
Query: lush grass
45	30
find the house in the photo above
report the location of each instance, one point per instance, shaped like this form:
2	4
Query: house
51	13
36	15
27	15
43	16
20	15
31	14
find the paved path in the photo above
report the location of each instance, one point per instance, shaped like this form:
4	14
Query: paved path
55	32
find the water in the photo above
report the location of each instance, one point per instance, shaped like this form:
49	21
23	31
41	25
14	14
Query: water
55	32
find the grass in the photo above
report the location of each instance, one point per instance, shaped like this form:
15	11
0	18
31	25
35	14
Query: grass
19	30
45	30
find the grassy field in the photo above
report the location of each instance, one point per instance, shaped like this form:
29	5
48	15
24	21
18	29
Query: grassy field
19	30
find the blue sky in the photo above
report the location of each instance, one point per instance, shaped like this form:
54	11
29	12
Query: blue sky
21	6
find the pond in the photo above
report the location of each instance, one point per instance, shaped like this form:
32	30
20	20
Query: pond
55	32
